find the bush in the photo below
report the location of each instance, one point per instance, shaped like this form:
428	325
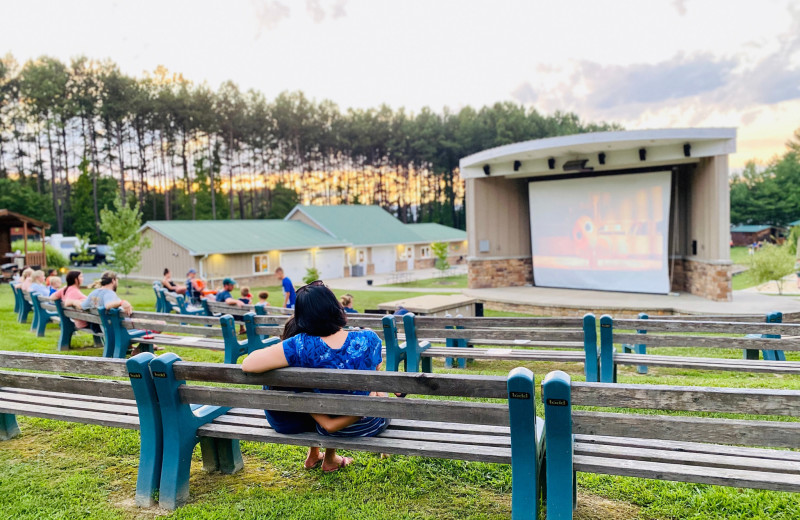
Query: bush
311	275
440	252
55	258
770	263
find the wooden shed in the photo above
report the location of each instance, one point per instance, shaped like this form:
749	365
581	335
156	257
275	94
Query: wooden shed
9	220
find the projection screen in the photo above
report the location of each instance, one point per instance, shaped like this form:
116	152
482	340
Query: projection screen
605	233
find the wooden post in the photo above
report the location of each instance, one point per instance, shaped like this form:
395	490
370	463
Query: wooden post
44	250
25	240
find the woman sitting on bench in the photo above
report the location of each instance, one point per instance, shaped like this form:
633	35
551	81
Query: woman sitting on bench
315	338
72	296
169	285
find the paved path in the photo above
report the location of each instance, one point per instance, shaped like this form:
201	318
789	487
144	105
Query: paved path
379	281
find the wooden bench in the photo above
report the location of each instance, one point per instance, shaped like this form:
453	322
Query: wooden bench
771	338
441	428
173	301
42	315
202	332
16	297
77	398
692	448
22	305
522	335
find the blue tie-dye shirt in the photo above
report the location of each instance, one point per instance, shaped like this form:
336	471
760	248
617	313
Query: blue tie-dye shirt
360	351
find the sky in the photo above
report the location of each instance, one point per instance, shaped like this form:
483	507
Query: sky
644	64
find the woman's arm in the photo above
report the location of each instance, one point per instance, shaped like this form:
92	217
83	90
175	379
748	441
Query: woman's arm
334	424
265	359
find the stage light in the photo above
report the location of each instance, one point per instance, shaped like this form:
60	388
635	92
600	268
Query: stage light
642	154
601	158
551	163
687	150
517	165
487	170
577	165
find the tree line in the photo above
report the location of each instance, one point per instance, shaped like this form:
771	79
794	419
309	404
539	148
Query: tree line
74	135
770	193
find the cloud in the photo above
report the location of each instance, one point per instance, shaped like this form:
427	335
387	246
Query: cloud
270	13
694	86
680	6
338	10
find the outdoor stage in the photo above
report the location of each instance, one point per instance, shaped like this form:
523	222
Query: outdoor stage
572	302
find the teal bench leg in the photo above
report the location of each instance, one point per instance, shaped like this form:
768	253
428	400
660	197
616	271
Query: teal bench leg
524	445
8	426
608	369
774	355
180	422
560	479
25	309
150	429
16	298
414	348
591	368
394	353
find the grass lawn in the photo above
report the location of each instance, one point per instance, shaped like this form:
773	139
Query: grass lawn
447	282
65	471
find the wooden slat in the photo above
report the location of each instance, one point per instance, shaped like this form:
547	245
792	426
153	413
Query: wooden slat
58	363
62	414
658	340
81	315
690	459
67	402
72	385
183	341
691	447
754	401
476	335
709	326
413	383
77	397
373	444
684	473
175	318
338	404
505	354
693	429
424	321
166	327
740	365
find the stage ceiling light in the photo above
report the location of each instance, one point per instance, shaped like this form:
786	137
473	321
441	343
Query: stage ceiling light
577	165
601	158
551	163
642	154
687	150
487	169
517	165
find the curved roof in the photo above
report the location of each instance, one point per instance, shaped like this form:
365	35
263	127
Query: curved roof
621	148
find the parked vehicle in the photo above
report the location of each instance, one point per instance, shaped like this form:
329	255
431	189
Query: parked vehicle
67	245
96	255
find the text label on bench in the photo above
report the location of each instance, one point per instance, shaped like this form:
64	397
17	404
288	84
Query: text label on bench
519	395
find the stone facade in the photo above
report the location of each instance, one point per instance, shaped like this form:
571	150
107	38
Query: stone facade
712	281
507	272
572	312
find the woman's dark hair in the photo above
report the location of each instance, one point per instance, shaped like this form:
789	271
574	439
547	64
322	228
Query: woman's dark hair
289	329
72	277
52	272
317	312
166	271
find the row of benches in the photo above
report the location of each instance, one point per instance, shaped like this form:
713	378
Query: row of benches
173	416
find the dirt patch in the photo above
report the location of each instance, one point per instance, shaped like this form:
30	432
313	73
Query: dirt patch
592	507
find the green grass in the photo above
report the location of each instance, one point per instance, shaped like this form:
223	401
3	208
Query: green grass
56	470
447	282
739	255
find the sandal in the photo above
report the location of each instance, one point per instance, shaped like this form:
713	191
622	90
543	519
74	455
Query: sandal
346	461
316	464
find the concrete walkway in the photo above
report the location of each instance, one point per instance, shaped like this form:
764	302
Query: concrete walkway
380	281
744	302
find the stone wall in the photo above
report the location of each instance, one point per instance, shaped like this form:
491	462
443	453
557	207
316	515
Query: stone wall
507	272
572	312
712	281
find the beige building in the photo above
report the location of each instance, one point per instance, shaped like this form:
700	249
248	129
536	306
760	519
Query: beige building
338	241
501	182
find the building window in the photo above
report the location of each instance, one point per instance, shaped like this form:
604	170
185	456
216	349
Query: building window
425	252
361	256
261	264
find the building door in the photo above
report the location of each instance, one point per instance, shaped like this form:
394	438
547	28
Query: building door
330	263
384	259
295	264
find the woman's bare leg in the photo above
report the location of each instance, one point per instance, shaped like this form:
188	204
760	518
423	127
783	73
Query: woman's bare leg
332	462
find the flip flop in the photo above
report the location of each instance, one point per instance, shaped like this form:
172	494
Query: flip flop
346	461
317	464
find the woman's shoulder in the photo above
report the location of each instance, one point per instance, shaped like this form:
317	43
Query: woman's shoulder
365	334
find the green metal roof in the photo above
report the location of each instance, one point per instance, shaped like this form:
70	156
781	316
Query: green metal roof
202	237
750	229
360	225
793	224
432	232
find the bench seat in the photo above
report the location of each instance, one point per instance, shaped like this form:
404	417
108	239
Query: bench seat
509	354
698	463
84	409
170	340
402	437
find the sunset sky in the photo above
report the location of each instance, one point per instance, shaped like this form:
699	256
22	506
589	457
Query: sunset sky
645	64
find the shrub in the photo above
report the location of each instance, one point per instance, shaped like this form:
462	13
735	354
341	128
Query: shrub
311	275
55	258
770	263
440	252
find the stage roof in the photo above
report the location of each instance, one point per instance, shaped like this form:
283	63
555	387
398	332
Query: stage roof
621	150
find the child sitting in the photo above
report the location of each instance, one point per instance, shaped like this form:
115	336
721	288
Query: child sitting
55	284
245	295
262	298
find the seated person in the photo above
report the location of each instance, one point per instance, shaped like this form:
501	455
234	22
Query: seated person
105	295
347	304
196	287
72	296
55	284
245	296
38	286
25	279
262	298
169	285
225	296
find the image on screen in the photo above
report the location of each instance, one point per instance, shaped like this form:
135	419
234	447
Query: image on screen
603	233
